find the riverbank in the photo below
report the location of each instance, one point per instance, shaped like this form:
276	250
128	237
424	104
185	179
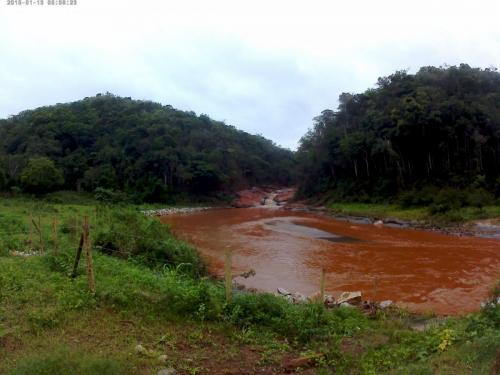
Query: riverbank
147	317
143	321
471	221
483	222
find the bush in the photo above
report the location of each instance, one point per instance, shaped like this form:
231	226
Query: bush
41	175
110	196
303	322
129	234
419	197
201	300
479	198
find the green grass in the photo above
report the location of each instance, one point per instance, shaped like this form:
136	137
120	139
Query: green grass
42	308
378	210
51	324
422	214
63	362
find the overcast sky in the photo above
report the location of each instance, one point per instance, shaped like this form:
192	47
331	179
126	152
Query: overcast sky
267	67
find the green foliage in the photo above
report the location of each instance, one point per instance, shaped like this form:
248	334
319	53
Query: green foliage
301	322
138	291
41	175
439	127
39	303
64	362
15	190
129	234
149	151
103	176
3	179
109	196
199	300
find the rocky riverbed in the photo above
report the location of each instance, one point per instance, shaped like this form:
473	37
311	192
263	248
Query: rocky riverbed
276	197
174	210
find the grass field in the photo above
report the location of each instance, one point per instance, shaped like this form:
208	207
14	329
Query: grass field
51	323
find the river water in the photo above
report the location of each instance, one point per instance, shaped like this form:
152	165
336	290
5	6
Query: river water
423	271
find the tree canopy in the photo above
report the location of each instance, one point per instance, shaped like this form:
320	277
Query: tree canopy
140	147
440	126
41	175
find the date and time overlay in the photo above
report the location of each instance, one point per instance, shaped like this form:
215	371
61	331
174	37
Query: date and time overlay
39	3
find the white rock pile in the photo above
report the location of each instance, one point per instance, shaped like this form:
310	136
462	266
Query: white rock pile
174	210
345	299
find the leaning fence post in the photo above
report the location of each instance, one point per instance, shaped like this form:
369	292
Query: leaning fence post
88	255
38	227
228	276
77	258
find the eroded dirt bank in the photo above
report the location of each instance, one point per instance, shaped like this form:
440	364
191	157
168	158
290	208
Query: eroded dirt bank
425	271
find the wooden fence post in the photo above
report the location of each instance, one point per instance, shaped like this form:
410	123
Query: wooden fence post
77	258
40	234
38	228
228	275
54	234
30	239
88	255
322	285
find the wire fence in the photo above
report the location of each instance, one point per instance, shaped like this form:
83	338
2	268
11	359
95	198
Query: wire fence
51	239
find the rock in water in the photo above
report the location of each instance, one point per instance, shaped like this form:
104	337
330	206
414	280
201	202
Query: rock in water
315	297
353	298
298	297
346	304
283	291
329	301
385	304
378	223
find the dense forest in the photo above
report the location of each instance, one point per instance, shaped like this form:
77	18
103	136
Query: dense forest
149	151
439	127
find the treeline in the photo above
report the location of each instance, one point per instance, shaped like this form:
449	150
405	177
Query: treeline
439	127
149	151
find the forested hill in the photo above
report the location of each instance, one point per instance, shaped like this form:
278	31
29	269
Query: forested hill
439	127
140	147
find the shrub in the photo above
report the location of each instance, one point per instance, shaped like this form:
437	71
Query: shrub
200	300
127	233
479	198
303	322
109	196
418	197
41	175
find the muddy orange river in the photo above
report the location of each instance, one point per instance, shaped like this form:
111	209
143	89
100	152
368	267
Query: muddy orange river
423	271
